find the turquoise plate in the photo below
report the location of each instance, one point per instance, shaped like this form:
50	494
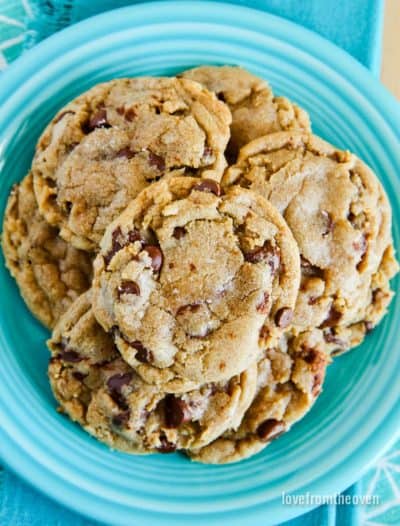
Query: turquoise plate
358	414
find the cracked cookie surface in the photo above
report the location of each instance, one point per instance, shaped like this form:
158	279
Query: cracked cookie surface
101	392
255	110
341	219
289	380
189	281
49	272
107	145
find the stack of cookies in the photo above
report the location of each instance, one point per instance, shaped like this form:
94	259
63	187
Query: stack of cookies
199	256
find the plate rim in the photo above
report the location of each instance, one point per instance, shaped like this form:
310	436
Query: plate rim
16	70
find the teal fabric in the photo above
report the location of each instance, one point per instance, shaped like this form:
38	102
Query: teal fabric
355	25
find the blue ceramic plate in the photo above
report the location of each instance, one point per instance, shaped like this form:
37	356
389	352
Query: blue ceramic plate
358	414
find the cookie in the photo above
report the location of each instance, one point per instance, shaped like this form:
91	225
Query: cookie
189	280
107	145
341	219
49	272
289	380
101	392
255	110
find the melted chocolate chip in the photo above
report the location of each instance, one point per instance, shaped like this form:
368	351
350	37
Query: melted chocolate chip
135	235
309	355
121	419
157	161
128	287
79	376
179	232
361	247
176	411
208	185
332	319
69	355
97	120
284	317
165	445
116	245
130	114
143	355
266	253
116	382
331	337
208	155
263	306
126	153
62	115
329	224
318	379
156	256
310	270
270	429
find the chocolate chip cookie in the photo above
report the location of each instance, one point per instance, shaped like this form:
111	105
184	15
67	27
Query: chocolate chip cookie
341	219
111	142
101	392
255	110
289	380
50	273
188	281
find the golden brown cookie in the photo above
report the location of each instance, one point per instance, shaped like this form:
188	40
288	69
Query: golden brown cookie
187	279
255	110
49	272
289	380
341	219
114	140
101	392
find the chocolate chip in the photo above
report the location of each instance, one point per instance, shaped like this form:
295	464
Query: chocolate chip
192	267
267	253
284	317
67	354
98	120
270	429
332	319
329	223
121	419
221	96
156	256
191	307
176	411
157	161
369	326
135	235
331	337
318	379
130	114
263	306
116	245
79	376
165	445
310	270
62	115
208	185
68	207
126	153
179	232
143	355
116	382
128	287
309	355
